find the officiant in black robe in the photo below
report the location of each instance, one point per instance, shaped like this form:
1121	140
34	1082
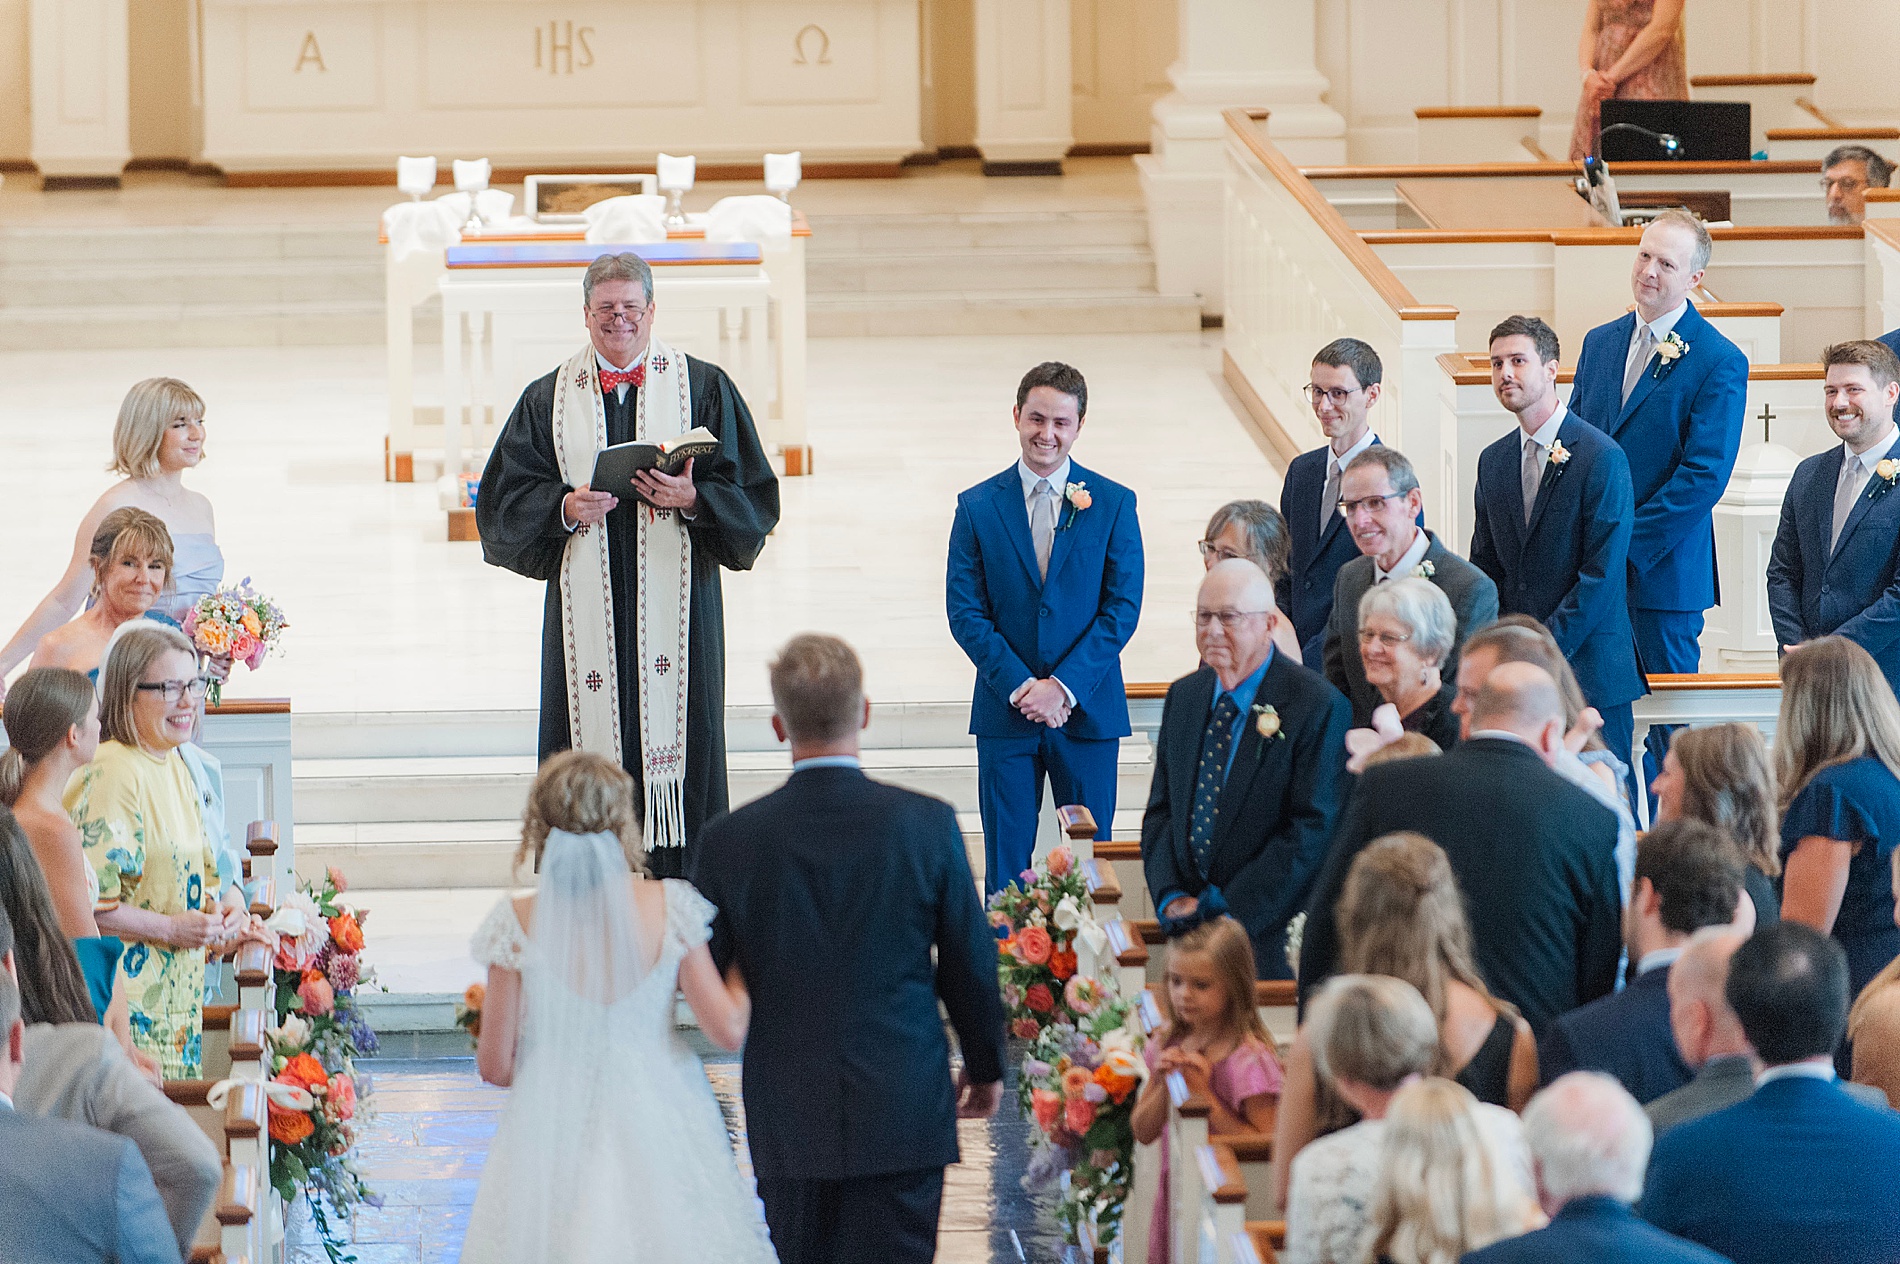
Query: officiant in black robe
527	514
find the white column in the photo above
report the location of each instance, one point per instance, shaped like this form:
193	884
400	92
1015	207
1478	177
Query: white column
80	57
1257	53
1023	86
1740	636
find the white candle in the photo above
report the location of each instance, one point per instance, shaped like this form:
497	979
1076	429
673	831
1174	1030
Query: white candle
471	175
676	173
783	171
415	176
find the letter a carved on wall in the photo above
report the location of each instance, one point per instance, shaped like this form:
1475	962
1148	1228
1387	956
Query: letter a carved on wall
309	54
800	57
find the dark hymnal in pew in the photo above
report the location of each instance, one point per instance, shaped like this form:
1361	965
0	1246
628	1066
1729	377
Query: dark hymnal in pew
615	467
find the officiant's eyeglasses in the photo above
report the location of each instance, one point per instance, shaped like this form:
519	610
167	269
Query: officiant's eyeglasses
173	690
634	312
1338	394
1229	619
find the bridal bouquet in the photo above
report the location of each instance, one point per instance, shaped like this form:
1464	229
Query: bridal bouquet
235	623
1043	915
1078	1083
319	1035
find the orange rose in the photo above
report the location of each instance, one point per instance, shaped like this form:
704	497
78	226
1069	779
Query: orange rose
1074	1080
1046	1106
288	1127
213	638
1118	1087
1062	964
305	1072
475	997
346	933
1034	945
252	623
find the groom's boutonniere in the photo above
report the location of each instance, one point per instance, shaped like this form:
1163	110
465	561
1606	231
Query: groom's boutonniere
1559	454
1077	494
1668	351
1886	473
1425	570
1266	722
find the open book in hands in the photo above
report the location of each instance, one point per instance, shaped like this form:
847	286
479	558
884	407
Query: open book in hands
615	467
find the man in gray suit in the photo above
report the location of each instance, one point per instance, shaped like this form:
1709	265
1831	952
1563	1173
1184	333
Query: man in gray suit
69	1194
1710	1036
1380	498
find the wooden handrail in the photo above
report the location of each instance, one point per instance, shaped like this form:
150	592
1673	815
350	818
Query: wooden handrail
1249	1147
1531	170
1118	849
1272	1231
218	1017
253	965
1076	821
1371	268
1125	943
1100	880
245	1113
187	1092
1478	111
260	838
1150	931
1751	81
1599	236
1833	133
1271	993
1187	1103
251	706
247	1035
1687	681
1220	1173
237	1195
1887	231
264	901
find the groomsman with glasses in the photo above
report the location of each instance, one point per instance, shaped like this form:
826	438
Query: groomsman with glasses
1044	590
1835	569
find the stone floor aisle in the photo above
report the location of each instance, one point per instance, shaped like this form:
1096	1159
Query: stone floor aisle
436	1118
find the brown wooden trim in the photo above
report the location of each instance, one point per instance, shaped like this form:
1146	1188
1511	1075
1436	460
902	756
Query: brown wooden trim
1786	373
187	1092
247	1035
1116	149
1451	236
1275	993
1186	1102
1268	1233
1693	681
251	706
1478	111
462	528
1883	195
958	153
253	965
1833	133
1250	1147
357	177
1476	370
218	1017
1118	849
1220	1173
1736	310
1006	168
1125	943
264	902
71	184
1150	931
1749	81
1076	820
260	838
1271	438
1599	236
17	164
1528	170
1240	124
244	1113
1886	231
158	164
1099	877
237	1196
522	264
1146	689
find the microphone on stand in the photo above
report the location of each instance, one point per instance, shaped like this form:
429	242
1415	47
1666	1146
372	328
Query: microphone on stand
1668	142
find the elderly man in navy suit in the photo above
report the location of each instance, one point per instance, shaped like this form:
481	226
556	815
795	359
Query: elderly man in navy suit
1345	385
1250	773
1552	528
1688	875
1835	568
1589	1144
1044	590
1672	391
1800	1170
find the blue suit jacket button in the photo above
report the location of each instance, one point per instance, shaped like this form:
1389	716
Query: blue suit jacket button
1045	612
1824	590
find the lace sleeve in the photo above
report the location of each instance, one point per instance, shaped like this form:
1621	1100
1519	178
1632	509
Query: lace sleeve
689	915
499	940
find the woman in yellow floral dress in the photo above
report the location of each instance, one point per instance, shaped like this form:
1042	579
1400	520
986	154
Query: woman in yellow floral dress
139	819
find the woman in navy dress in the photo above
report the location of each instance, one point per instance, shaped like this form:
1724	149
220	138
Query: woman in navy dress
1837	759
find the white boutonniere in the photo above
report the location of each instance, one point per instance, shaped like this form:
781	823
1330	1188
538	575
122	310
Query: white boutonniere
1077	494
1559	454
1266	721
1424	570
1670	350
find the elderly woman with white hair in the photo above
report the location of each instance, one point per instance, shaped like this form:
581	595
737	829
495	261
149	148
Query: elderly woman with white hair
1406	632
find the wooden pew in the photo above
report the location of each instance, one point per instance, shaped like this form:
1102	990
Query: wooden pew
1124	857
232	1047
1130	954
1260	1242
261	845
235	1224
1209	1183
1145	1180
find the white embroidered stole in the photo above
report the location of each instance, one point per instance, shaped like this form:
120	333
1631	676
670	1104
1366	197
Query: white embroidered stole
663	583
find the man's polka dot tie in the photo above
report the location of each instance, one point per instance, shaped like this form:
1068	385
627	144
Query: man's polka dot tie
1209	779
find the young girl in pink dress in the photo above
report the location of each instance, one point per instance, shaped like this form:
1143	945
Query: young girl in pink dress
1215	1039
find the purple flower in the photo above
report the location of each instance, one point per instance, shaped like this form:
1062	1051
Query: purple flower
1095	1093
342	970
1036	1070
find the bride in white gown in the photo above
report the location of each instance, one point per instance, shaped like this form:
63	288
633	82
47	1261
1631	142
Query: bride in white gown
611	1147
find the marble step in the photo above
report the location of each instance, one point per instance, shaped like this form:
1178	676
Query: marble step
853	235
200	282
185	324
103	252
1009	271
493	787
944	312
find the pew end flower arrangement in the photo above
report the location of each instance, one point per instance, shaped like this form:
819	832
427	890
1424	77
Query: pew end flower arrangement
1083	1064
238	624
319	1104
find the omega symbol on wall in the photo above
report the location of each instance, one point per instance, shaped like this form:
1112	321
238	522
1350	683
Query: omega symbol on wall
811	36
555	48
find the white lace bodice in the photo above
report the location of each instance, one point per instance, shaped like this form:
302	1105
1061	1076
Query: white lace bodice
501	941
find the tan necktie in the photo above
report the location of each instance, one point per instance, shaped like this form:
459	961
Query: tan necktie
1329	499
1533	475
1042	525
1639	360
1845	495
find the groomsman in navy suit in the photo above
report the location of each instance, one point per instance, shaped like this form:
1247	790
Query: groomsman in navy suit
1835	568
1553	525
1345	385
1044	590
1672	391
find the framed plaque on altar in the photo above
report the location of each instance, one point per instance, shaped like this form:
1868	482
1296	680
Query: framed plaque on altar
562	199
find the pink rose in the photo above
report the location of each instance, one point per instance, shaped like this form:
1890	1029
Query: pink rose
999	920
1025	1029
1078	1115
316	994
244	647
1046	1106
337	879
1083	995
1061	860
1039	999
1034	946
342	1096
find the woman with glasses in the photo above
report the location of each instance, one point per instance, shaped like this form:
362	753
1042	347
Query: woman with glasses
140	821
1406	631
1254	530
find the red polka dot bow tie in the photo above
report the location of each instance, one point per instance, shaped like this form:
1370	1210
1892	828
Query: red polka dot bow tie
612	379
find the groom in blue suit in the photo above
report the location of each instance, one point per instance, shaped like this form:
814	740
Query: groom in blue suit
1835	568
1044	590
1672	391
1552	528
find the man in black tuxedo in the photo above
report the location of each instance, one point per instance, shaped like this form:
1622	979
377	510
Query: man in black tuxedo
1250	771
1381	502
832	891
1535	855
